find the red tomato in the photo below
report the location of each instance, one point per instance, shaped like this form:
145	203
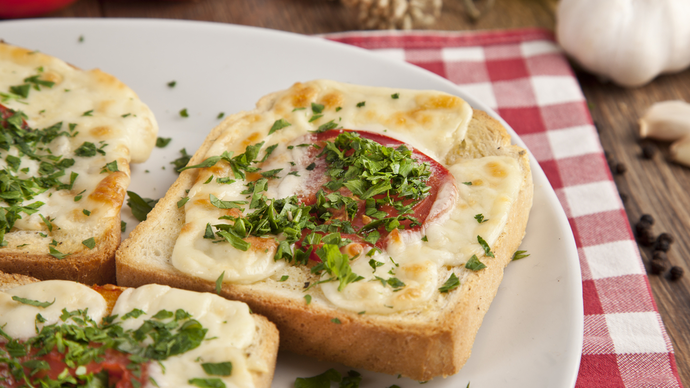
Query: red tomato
10	9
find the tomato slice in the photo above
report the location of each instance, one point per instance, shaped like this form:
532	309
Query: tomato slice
10	9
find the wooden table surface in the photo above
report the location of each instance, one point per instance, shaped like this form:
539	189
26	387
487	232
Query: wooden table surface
657	187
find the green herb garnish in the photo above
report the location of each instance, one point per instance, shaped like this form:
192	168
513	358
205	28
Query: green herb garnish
32	302
452	283
474	264
519	255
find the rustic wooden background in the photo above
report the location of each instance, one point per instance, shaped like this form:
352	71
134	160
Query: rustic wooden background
657	187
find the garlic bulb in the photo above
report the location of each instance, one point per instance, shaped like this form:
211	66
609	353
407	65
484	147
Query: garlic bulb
628	41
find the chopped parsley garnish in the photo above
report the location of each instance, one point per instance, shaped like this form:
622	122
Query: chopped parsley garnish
182	202
315	117
32	302
467	183
307	298
217	369
327	127
474	264
123	226
172	84
88	113
361	104
395	96
184	113
88	149
519	255
110	167
336	321
57	254
16	192
86	212
219	283
207	383
352	380
220	115
279	124
162	142
316	108
480	218
452	283
89	243
182	161
284	278
140	206
78	197
485	246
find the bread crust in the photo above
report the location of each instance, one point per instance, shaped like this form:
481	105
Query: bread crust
95	266
265	345
420	345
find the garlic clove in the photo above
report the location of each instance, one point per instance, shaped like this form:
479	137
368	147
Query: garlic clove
667	120
680	151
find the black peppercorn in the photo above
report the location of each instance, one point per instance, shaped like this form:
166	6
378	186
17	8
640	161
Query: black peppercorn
620	169
661	245
663	242
648	151
641	227
646	237
665	237
657	267
659	255
676	273
647	218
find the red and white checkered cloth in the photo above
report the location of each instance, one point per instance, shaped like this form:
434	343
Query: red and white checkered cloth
524	76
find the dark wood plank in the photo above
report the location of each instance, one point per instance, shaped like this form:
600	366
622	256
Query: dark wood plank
309	16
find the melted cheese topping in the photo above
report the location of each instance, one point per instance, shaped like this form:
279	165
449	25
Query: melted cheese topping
231	331
17	319
115	116
432	122
451	241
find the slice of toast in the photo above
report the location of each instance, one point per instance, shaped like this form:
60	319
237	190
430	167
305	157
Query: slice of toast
68	138
259	352
432	339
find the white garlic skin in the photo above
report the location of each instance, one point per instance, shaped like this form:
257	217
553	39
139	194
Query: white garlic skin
667	120
627	41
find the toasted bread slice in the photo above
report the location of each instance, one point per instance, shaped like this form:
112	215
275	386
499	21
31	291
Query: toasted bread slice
69	137
258	354
432	338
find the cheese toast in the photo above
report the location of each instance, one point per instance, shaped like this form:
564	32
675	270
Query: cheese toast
152	336
68	136
371	225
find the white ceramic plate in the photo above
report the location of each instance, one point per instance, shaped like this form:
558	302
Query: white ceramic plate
531	336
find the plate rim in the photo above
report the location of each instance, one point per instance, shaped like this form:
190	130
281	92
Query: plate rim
322	39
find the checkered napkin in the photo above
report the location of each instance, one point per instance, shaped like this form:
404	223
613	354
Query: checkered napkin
524	76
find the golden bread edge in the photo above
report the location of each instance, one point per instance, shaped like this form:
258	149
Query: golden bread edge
418	351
